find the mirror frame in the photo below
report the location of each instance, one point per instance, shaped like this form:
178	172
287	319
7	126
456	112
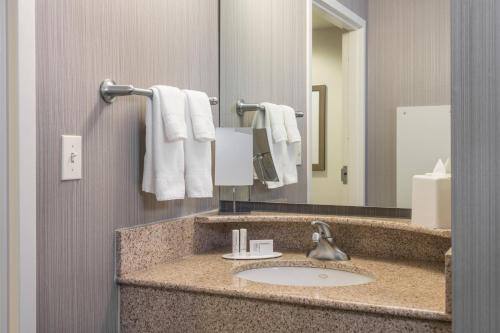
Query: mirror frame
321	165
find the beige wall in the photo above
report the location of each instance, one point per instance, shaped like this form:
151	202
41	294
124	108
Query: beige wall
80	43
326	187
408	65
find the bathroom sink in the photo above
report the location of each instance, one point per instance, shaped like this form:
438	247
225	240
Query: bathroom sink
304	276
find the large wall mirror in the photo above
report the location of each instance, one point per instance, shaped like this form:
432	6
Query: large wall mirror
372	79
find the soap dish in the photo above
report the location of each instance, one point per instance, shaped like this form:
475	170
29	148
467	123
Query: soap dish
248	256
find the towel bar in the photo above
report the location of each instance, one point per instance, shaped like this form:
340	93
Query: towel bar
110	90
242	107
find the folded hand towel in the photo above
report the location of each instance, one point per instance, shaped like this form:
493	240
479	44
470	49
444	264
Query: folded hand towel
173	108
275	114
164	160
293	142
290	120
292	131
198	153
201	115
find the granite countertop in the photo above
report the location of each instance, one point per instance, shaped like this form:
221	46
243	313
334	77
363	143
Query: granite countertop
414	289
374	222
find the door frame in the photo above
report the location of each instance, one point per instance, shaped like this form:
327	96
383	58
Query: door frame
339	14
21	164
4	256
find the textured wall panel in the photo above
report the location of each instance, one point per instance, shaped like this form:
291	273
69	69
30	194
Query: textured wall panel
408	65
360	7
80	43
4	189
476	160
263	59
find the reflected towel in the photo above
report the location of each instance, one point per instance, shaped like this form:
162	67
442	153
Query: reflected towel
277	122
290	120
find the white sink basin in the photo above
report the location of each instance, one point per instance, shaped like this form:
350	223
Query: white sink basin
304	276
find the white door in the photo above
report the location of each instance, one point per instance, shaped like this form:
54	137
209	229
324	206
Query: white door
353	106
352	118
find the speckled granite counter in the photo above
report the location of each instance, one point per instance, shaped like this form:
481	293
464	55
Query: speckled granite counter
403	288
197	291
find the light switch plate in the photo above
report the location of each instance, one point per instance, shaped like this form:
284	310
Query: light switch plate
298	154
71	157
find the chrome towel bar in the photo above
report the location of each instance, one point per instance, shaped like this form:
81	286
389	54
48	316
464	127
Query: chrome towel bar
110	90
242	107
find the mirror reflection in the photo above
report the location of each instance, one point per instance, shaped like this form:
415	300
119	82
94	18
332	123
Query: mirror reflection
369	89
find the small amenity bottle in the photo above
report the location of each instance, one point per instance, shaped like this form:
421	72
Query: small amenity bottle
236	241
243	241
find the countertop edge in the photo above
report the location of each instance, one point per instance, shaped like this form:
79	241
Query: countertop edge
340	305
294	218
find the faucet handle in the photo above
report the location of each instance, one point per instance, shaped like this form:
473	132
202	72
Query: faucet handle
323	228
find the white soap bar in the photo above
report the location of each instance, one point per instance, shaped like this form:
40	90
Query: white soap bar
431	201
236	241
261	247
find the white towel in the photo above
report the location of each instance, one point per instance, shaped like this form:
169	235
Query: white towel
290	163
198	151
284	155
277	123
201	115
173	106
164	159
293	143
292	131
290	120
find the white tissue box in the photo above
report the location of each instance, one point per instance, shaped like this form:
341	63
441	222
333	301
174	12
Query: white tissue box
431	201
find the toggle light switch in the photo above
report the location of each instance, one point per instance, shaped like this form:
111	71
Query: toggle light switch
71	157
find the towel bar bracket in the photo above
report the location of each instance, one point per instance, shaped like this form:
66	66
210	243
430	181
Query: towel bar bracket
110	90
242	107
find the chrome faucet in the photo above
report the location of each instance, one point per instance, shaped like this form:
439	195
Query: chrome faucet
325	248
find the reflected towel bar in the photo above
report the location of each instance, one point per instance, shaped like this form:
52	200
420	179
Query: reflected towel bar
110	90
242	107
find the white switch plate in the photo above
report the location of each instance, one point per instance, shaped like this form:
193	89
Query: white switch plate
71	157
298	154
